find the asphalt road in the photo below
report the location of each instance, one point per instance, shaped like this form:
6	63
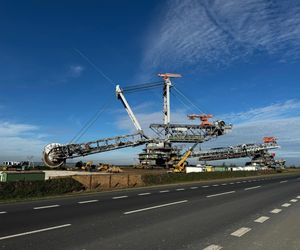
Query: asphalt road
240	214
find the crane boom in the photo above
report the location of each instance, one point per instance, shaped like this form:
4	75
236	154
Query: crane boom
120	96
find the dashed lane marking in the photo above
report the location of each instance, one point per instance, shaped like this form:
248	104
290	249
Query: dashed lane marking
213	247
283	181
120	197
205	186
231	183
90	201
249	188
262	219
154	207
180	189
298	197
164	191
3	212
224	184
34	232
286	205
213	195
293	200
193	187
240	232
216	185
276	211
45	207
143	194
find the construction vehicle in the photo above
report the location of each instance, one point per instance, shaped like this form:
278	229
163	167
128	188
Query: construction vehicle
180	166
159	150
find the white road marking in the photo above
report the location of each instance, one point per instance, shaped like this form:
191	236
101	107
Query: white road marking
193	187
224	184
298	197
35	231
293	200
262	219
45	207
283	181
142	194
249	188
119	197
238	182
3	212
205	186
286	205
240	232
231	183
154	207
164	191
213	247
244	181
179	189
215	185
90	201
276	211
213	195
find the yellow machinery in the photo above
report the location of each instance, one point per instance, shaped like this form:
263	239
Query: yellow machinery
87	166
180	166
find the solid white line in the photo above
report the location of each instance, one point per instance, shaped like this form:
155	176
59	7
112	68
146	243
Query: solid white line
164	191
158	206
3	212
293	200
35	231
213	247
193	187
283	181
249	188
286	205
179	189
240	232
262	219
90	201
142	194
213	195
45	207
215	185
205	186
276	211
119	197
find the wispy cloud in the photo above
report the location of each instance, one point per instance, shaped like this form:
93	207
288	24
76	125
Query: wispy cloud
199	32
76	70
18	140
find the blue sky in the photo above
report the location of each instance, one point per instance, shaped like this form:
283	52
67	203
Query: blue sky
239	60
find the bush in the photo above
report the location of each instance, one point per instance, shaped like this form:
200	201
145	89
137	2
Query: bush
28	189
151	179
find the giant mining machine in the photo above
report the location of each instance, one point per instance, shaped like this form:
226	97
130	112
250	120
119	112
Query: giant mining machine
160	149
258	152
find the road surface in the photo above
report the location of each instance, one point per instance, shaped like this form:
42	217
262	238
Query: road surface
254	213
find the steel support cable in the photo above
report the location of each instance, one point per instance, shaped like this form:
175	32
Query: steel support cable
89	123
95	66
144	86
187	99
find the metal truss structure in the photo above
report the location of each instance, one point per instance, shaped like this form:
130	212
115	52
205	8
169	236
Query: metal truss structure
259	154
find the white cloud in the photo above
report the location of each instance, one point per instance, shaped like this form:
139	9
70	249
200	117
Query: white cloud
199	32
75	70
17	141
